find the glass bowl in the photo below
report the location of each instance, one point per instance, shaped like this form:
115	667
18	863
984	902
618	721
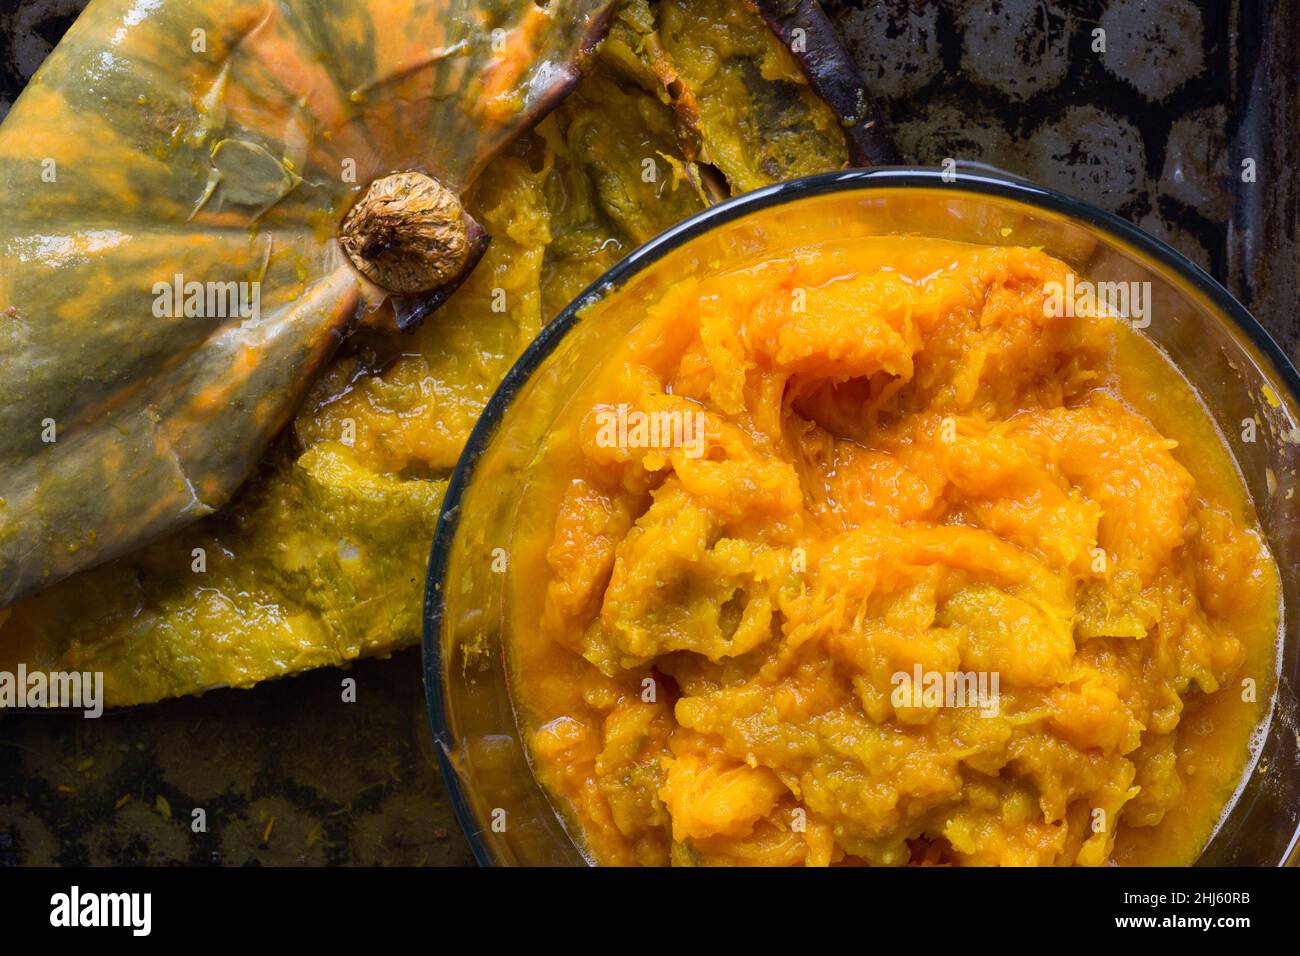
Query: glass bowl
1226	355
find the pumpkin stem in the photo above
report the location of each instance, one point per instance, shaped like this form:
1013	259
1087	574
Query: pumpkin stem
408	233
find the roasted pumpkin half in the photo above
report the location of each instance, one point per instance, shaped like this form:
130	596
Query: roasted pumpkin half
307	172
180	184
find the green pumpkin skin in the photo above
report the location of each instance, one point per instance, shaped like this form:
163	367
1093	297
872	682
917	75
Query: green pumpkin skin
217	146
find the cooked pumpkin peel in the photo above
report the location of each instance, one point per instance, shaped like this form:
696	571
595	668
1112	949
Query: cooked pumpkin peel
319	558
183	248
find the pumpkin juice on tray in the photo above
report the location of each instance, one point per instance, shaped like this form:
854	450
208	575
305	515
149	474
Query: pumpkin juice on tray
235	159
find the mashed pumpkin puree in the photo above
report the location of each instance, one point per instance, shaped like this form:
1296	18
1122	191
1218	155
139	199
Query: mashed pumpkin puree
905	469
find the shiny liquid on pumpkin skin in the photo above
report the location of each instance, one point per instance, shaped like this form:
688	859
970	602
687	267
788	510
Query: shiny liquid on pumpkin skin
897	474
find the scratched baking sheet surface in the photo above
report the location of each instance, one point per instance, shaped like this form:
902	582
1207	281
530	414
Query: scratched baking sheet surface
1154	129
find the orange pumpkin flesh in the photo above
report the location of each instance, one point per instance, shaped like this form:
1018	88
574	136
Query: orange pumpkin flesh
908	472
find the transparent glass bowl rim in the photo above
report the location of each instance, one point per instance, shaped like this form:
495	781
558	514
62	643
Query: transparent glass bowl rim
848	181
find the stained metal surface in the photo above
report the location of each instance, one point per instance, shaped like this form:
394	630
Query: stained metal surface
1155	129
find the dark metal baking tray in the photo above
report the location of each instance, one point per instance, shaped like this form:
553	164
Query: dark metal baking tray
1156	128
